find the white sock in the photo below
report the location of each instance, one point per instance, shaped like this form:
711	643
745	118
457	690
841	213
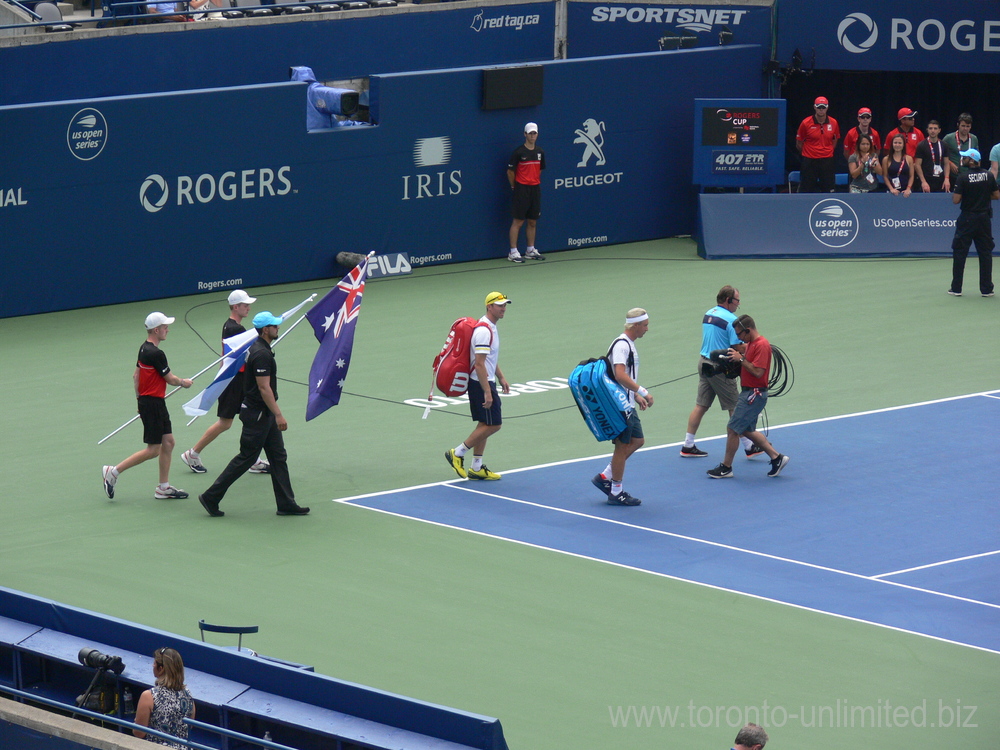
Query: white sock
688	439
747	443
194	453
531	248
607	472
513	250
114	472
616	487
164	485
477	463
461	450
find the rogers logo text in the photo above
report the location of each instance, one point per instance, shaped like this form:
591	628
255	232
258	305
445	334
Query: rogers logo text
858	33
696	19
156	192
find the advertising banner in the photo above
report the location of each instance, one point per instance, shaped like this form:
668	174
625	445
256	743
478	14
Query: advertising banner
919	35
620	28
826	225
739	142
105	207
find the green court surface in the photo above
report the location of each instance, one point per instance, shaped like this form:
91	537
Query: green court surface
567	652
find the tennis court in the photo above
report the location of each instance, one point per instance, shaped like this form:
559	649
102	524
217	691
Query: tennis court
859	582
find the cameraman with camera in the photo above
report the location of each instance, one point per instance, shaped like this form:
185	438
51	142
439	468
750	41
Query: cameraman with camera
717	333
755	369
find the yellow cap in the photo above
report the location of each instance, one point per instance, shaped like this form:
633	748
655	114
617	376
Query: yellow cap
496	298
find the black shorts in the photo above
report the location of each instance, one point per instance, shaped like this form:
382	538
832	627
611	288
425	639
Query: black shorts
526	202
155	419
489	416
231	398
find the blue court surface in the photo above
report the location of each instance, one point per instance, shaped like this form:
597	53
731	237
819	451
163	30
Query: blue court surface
888	517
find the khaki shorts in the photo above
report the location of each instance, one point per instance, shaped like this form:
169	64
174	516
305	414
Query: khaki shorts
717	385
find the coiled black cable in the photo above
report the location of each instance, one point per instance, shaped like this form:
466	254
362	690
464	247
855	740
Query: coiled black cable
782	374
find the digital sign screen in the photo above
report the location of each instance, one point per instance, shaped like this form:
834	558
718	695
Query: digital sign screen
740	126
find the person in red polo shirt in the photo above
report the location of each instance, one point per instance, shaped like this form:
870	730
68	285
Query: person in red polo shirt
864	127
817	136
911	135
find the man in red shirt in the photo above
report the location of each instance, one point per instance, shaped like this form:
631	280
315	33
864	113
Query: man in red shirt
864	127
912	135
151	377
524	173
815	140
755	368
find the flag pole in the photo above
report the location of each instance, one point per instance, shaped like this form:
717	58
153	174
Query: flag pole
200	372
310	299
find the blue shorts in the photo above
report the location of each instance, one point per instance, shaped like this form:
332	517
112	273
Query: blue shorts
745	414
489	416
633	429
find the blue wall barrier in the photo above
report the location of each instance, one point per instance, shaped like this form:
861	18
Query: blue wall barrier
116	201
918	35
826	225
191	56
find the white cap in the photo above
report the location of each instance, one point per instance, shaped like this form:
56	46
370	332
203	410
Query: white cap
157	319
531	128
239	297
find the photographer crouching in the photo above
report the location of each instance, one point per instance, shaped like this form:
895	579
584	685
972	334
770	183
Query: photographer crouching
755	369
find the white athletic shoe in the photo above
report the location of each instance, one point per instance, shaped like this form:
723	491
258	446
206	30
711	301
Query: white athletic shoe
515	257
193	462
109	481
533	254
261	467
170	493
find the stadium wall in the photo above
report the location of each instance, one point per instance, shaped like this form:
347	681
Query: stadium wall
147	212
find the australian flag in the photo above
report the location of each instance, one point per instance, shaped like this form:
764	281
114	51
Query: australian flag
333	319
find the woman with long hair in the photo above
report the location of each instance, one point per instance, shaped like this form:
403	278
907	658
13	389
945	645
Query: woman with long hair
863	166
898	168
165	706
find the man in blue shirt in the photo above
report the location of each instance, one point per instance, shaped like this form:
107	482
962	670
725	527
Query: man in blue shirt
717	333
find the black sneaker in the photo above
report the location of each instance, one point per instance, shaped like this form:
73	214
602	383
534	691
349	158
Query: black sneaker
954	293
692	452
212	510
777	465
754	450
604	485
295	510
623	498
721	472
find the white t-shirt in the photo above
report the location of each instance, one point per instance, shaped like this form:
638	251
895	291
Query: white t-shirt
619	355
486	340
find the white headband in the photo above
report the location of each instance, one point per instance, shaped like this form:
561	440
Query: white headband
637	319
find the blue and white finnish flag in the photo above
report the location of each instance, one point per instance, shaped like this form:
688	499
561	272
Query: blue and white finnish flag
235	349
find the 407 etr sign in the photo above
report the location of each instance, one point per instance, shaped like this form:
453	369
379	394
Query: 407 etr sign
739	162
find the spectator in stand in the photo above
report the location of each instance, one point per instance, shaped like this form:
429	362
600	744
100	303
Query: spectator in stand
898	167
961	140
163	12
865	127
931	162
816	138
863	166
911	134
995	161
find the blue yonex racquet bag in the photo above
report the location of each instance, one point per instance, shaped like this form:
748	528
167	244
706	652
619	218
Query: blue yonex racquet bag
603	403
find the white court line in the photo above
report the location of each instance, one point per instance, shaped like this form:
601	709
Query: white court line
670	577
730	547
936	564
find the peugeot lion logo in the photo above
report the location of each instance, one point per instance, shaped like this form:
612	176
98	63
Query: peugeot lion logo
854	19
592	139
144	197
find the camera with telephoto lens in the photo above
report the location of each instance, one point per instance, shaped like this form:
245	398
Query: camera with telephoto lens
91	657
721	364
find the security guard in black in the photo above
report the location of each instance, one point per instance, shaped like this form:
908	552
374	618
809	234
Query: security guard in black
974	191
